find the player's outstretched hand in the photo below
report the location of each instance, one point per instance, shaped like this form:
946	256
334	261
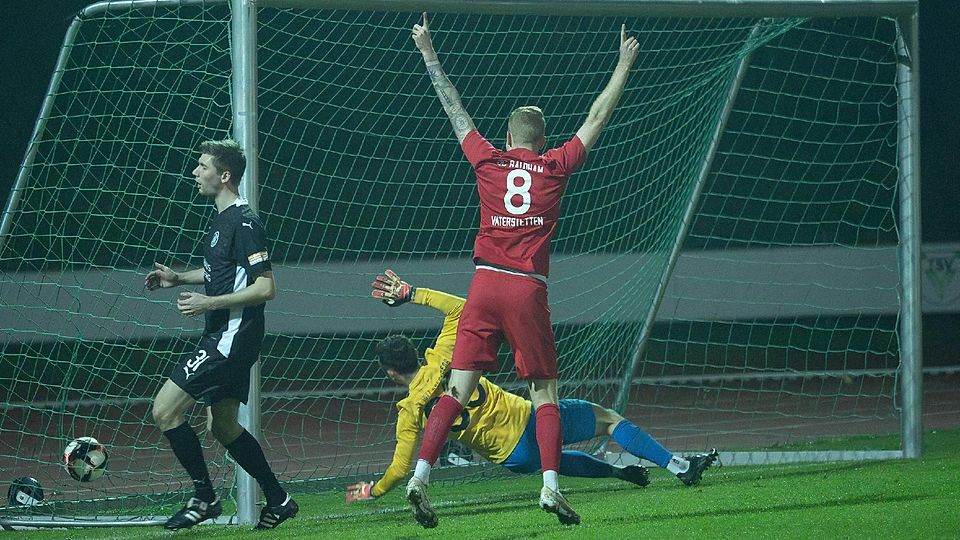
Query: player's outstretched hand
392	290
629	47
361	491
161	277
423	41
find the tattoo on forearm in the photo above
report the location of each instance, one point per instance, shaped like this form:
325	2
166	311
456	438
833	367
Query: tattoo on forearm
443	91
443	86
438	76
444	96
460	124
450	100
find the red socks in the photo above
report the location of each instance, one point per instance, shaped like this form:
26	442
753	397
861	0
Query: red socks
438	428
549	436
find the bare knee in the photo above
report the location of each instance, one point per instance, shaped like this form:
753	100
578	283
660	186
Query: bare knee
166	417
542	391
225	431
606	419
169	406
460	393
462	385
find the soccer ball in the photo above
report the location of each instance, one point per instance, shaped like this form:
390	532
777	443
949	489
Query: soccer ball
85	459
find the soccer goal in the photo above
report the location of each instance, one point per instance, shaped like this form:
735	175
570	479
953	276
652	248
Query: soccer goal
736	267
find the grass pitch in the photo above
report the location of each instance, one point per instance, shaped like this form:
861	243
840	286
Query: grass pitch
884	499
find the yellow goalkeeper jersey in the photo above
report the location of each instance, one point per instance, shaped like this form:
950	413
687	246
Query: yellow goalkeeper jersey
492	422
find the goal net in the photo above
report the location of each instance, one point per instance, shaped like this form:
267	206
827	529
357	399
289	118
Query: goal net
765	148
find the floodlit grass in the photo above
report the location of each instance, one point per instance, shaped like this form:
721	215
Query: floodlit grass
889	499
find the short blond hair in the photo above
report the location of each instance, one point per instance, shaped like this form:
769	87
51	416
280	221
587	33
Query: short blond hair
526	125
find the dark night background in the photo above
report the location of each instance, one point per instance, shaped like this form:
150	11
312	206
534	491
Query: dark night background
32	32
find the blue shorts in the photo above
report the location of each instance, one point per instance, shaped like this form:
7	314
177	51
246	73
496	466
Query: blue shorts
578	424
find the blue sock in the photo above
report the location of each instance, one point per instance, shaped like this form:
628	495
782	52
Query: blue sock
576	463
640	444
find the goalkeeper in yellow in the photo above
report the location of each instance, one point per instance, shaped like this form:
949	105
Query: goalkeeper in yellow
497	424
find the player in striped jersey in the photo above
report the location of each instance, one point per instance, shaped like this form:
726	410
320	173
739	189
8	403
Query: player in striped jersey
497	424
238	281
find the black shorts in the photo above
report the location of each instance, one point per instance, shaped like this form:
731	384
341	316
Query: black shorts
209	376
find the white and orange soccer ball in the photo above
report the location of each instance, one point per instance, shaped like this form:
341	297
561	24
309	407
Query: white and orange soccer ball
85	459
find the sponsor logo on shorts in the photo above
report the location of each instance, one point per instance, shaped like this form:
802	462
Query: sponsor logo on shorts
258	258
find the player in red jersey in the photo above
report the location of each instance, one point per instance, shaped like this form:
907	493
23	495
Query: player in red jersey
520	191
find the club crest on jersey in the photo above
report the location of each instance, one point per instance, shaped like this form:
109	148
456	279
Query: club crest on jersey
215	239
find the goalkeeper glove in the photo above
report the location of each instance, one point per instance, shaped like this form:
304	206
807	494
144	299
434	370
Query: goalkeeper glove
361	491
392	290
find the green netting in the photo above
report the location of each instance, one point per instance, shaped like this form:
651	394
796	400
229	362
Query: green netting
802	193
359	171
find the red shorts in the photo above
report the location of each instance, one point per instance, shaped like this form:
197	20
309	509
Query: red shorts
506	306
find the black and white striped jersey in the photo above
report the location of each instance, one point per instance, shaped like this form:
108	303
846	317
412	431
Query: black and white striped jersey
234	254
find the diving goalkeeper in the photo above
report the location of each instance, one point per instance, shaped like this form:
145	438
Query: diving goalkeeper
497	424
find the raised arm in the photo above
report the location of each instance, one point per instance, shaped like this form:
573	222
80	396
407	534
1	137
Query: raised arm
449	97
394	291
606	102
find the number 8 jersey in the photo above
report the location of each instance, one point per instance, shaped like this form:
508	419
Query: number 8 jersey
520	193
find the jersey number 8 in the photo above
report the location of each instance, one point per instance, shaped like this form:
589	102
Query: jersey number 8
514	190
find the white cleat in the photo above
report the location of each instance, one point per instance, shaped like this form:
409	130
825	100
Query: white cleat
555	503
420	504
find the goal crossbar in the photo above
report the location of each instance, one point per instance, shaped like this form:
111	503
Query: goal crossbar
624	8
